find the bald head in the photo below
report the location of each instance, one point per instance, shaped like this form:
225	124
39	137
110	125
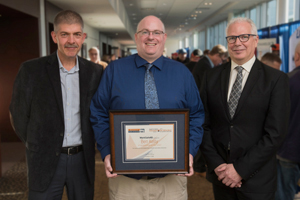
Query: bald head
150	38
297	55
151	19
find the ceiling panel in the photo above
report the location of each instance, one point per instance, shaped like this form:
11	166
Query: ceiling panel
179	16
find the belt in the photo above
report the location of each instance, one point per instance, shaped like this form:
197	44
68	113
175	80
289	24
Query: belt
71	150
148	177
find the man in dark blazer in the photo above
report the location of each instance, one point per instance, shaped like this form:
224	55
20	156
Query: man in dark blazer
288	157
50	113
246	117
215	57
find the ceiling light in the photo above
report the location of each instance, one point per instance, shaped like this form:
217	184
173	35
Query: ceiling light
160	14
210	4
164	4
205	4
117	34
133	14
186	23
200	11
131	4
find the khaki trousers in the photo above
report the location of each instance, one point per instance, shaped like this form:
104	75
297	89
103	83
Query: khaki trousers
170	187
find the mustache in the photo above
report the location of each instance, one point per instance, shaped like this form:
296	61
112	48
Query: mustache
71	46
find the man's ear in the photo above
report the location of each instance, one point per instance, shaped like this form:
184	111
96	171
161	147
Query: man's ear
296	56
53	35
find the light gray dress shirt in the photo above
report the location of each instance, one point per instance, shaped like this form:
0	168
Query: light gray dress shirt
71	104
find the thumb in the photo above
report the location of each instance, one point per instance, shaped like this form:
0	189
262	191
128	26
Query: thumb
221	168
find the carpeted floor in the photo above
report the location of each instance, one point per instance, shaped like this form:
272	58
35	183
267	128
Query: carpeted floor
13	184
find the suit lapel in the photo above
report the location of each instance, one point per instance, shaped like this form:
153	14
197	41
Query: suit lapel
251	81
54	76
83	83
224	86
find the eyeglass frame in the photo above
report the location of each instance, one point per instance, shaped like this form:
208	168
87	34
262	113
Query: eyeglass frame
160	32
238	36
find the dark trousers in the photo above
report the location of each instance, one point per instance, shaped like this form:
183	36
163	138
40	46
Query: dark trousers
227	193
288	174
70	172
199	162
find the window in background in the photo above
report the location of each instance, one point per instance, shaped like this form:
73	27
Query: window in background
222	33
202	40
271	13
191	42
195	35
216	33
253	15
180	44
211	38
291	10
241	14
186	44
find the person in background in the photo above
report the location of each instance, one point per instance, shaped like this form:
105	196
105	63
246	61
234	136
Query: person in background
170	85
215	57
275	49
195	57
50	113
174	56
206	52
106	58
247	106
288	157
113	57
271	60
94	55
182	56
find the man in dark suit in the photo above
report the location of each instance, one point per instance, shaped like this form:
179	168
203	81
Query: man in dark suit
195	57
50	113
215	57
246	116
288	157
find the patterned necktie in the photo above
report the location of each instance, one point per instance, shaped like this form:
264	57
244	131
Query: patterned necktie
235	91
151	99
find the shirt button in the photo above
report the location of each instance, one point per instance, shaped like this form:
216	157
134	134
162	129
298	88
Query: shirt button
61	134
57	153
231	126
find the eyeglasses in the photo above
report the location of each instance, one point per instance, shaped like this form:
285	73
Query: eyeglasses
146	32
242	38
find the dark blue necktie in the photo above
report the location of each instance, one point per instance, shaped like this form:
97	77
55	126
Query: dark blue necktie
151	99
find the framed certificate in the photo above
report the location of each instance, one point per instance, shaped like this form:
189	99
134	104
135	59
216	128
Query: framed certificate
149	141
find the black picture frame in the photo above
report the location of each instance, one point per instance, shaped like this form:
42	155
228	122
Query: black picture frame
121	139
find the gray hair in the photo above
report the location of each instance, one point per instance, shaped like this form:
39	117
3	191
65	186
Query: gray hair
242	19
67	17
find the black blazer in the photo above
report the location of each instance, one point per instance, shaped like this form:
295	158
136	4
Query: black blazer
38	117
256	130
198	72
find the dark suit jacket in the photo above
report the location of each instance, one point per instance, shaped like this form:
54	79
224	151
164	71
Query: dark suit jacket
38	117
290	148
198	72
256	130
